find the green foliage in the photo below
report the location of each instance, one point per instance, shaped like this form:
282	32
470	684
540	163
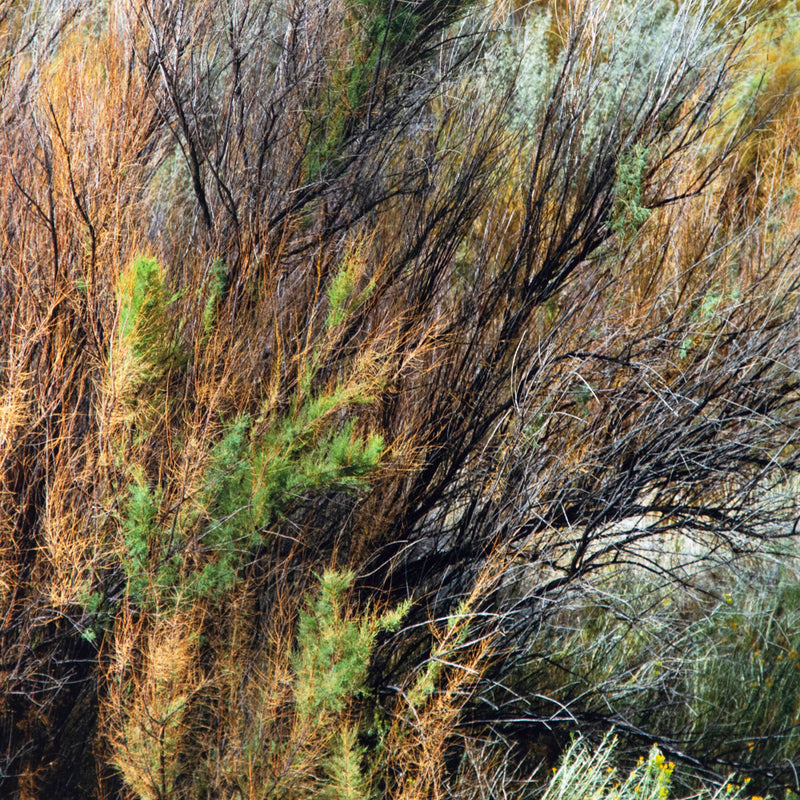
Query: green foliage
456	633
300	454
140	298
138	528
494	367
229	533
217	283
333	650
151	559
95	608
341	299
629	213
390	26
252	479
318	745
256	472
143	327
343	769
330	662
383	35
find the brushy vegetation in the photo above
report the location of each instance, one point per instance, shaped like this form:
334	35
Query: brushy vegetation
397	397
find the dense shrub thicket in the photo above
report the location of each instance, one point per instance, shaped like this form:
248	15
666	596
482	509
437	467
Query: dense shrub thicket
393	390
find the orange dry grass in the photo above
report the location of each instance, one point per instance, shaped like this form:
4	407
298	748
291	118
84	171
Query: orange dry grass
152	680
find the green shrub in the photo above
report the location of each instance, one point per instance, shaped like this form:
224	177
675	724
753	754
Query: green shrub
144	329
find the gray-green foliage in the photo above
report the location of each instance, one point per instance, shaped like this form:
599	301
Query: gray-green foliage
744	681
732	662
584	772
629	212
647	58
519	56
587	773
639	61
